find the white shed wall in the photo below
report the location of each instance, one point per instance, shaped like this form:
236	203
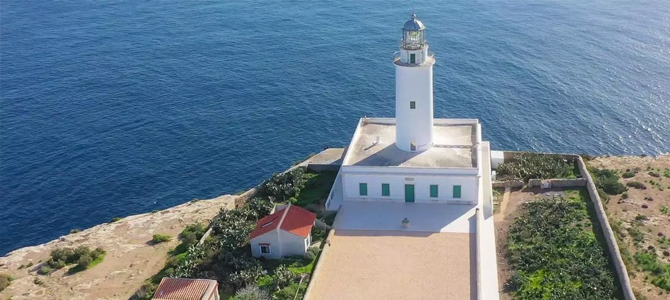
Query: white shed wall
267	238
292	244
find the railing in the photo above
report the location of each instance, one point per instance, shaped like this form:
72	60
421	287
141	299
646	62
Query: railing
396	59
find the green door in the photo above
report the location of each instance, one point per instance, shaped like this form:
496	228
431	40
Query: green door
409	193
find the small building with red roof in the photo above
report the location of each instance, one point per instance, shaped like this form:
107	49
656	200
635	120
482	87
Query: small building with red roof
285	232
187	289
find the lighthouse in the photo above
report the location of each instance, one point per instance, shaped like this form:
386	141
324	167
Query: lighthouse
414	89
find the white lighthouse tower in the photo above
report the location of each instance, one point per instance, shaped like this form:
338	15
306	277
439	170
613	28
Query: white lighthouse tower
414	89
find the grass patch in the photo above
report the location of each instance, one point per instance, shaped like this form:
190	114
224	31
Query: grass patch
85	264
665	210
317	187
555	261
115	219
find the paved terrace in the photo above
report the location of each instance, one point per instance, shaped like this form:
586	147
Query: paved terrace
374	145
372	257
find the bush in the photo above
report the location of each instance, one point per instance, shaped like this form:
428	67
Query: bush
638	185
624	196
628	174
608	181
603	196
72	231
45	270
259	207
284	186
115	219
527	166
5	280
160	238
84	261
282	277
289	292
252	292
38	281
311	254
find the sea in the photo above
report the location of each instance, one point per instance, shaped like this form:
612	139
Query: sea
114	108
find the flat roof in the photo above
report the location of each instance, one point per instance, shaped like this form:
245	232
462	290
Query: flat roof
377	264
454	143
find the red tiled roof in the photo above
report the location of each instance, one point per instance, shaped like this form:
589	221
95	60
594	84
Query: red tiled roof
293	219
183	289
298	221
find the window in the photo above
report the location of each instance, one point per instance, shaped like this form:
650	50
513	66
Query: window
386	189
412	105
457	191
412	58
433	190
265	248
363	189
412	146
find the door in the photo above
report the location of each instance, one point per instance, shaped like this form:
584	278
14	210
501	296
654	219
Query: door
409	193
412	58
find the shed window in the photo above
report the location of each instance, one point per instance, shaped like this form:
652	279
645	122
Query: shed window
363	189
433	190
457	191
265	248
412	104
386	189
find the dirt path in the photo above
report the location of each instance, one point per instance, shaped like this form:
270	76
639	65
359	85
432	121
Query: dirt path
130	259
503	206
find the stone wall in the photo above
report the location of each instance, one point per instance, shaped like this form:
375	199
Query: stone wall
558	183
612	246
508	183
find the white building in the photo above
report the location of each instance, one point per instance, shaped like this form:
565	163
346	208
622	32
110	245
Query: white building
414	157
285	232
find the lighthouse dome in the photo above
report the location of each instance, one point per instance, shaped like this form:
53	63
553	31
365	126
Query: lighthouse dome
413	25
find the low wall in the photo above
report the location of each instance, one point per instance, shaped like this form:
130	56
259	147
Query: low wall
508	183
324	167
612	246
558	183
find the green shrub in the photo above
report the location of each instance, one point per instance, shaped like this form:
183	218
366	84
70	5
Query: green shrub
259	207
38	281
75	230
311	254
608	181
84	261
5	281
640	217
115	219
283	186
665	210
628	174
527	166
624	196
44	270
146	291
282	277
603	196
638	185
252	292
318	233
330	219
290	292
160	238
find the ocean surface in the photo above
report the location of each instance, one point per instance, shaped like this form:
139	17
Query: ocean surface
113	108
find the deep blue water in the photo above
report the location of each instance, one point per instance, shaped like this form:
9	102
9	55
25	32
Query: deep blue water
112	108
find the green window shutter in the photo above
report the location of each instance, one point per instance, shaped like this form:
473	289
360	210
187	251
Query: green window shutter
457	191
433	190
386	189
412	104
363	189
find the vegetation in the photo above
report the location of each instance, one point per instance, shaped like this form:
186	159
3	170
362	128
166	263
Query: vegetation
226	256
82	256
636	184
73	231
555	256
665	210
38	281
311	254
5	281
115	219
628	174
527	166
660	272
160	238
607	181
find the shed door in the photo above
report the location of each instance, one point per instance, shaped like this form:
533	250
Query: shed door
409	193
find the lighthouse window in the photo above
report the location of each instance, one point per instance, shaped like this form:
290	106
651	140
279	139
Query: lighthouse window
412	104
